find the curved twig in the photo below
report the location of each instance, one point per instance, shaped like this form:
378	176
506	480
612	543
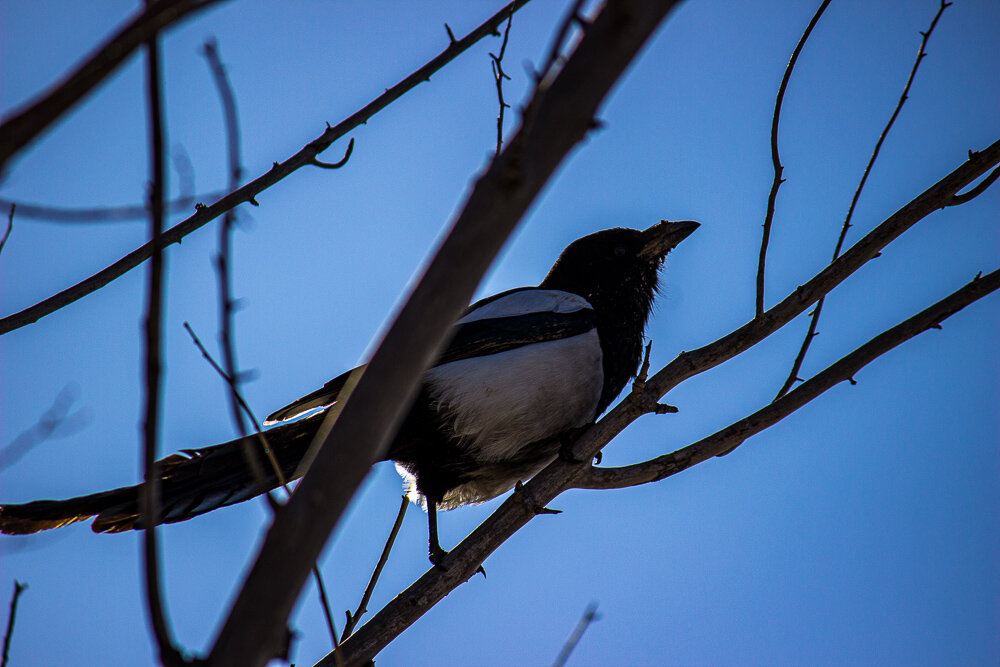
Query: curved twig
775	159
793	374
249	192
957	200
335	165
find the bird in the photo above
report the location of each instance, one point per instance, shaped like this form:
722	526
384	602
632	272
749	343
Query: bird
525	371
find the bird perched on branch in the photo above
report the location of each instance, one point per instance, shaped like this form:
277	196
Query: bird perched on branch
525	370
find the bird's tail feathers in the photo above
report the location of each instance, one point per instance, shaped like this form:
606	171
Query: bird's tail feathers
191	483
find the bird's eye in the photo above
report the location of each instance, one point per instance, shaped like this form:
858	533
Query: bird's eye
620	251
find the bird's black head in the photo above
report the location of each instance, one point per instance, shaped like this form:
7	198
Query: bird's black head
617	271
616	264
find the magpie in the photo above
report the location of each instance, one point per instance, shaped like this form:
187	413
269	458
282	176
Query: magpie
525	371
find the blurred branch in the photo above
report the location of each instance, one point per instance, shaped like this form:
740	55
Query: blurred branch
56	418
135	213
149	502
9	634
10	227
731	437
793	374
775	158
23	126
248	193
563	473
589	616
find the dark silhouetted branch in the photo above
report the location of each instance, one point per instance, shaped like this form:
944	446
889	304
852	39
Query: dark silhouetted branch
775	159
149	502
724	441
9	634
793	374
498	78
249	192
25	125
352	619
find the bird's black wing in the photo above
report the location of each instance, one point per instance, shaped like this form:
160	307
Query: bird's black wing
476	337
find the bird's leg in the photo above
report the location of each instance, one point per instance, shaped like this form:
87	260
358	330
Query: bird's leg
436	553
567	439
535	507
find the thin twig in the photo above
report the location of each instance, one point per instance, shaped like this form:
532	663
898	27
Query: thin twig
352	619
555	50
10	226
249	191
169	655
496	61
727	439
590	615
258	473
793	374
9	634
775	159
57	420
25	125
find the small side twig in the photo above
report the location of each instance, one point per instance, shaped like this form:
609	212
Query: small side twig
10	227
9	634
335	165
793	374
590	615
496	61
352	619
775	158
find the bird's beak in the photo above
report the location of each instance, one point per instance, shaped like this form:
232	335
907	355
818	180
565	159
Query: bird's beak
662	237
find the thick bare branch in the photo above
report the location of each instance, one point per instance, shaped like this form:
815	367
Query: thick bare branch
775	158
248	193
28	123
793	374
734	435
560	117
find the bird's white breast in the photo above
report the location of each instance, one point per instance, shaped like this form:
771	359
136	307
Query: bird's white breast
501	402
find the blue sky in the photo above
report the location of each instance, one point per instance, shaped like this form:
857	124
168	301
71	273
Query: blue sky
861	530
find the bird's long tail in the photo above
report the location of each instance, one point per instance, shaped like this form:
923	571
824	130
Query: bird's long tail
191	483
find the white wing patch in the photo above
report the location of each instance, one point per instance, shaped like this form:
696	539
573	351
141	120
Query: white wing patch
529	301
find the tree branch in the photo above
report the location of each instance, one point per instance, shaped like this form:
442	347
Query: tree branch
724	441
249	192
560	116
775	158
793	374
9	634
92	214
149	502
25	125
